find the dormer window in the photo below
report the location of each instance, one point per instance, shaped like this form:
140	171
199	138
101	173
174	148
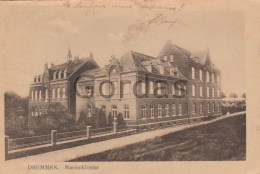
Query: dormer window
54	75
171	58
60	72
113	70
165	58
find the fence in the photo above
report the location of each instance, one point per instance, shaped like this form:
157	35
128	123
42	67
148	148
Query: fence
28	141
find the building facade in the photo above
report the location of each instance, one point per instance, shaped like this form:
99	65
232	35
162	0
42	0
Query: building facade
56	85
174	85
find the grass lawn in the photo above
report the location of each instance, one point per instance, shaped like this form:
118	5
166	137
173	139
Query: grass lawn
218	141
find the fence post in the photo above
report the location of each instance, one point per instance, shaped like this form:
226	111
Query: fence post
88	133
114	126
53	137
6	146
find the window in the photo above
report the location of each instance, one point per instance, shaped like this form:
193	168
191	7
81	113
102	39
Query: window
213	78
193	108
173	89
173	110
142	87
39	78
35	79
201	91
213	107
36	95
217	93
59	74
143	111
126	111
89	111
192	72
213	92
103	107
207	76
180	110
152	111
151	87
58	92
184	90
165	58
159	88
40	94
53	93
113	70
218	107
63	92
167	110
171	58
207	91
159	110
200	75
46	94
32	97
179	90
201	108
54	75
89	90
193	90
114	111
208	107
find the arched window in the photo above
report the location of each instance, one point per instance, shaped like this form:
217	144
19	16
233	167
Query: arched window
143	86
159	110
213	107
32	97
200	75
126	112
173	110
213	92
208	107
194	108
143	111
217	93
65	73
213	77
114	111
219	107
167	110
193	90
201	108
180	109
54	75
192	72
152	111
201	91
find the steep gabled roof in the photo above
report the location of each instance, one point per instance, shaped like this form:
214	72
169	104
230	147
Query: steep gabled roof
176	51
202	56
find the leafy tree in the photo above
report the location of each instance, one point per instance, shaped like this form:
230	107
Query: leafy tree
222	95
233	95
120	120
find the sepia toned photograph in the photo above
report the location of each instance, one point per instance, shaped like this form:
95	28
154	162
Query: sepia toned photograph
122	81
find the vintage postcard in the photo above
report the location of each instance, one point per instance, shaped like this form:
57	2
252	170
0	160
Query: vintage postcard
129	86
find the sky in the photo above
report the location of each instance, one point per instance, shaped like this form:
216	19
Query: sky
33	36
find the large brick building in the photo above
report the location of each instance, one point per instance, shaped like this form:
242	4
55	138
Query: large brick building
174	85
56	85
